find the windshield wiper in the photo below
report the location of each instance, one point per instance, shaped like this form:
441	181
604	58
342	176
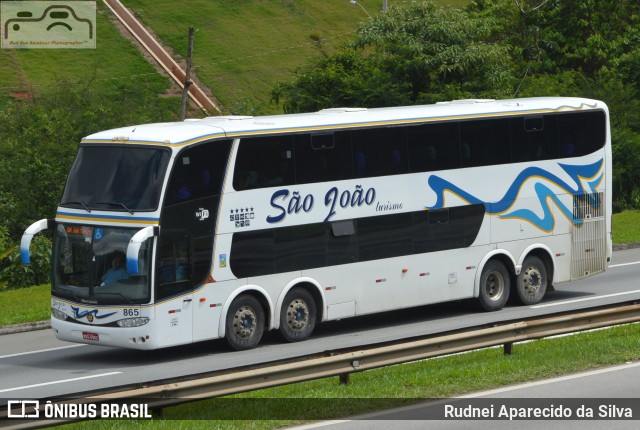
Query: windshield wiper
116	204
77	203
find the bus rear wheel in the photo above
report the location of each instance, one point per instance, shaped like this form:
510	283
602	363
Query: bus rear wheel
531	283
495	285
245	323
298	315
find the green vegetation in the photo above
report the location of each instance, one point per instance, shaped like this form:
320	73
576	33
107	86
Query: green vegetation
421	53
25	304
243	48
626	227
405	384
115	63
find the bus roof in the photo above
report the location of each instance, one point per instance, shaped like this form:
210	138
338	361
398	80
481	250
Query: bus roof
195	130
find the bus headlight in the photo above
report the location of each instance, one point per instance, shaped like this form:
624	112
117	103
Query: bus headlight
58	314
132	322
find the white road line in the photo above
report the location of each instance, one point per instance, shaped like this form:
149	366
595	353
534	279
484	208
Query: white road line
624	264
41	350
584	299
552	381
59	382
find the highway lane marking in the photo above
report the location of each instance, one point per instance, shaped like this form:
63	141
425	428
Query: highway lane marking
624	264
553	380
59	382
592	298
41	350
584	299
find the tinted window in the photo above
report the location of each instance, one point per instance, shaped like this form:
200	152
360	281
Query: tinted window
263	252
485	142
581	133
323	157
264	162
384	236
116	178
379	152
433	147
189	214
533	138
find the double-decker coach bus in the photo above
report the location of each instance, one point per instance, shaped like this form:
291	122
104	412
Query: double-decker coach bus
229	226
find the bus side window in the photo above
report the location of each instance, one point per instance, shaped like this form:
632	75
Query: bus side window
322	157
380	152
485	142
174	264
264	162
433	147
581	133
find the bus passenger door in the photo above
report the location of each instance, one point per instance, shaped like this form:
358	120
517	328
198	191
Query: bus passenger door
174	292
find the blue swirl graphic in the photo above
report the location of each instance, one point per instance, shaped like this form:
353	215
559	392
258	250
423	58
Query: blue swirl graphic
545	194
78	315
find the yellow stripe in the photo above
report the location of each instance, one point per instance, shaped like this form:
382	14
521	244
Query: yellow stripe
106	220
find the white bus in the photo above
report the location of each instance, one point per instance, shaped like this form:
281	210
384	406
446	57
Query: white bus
235	225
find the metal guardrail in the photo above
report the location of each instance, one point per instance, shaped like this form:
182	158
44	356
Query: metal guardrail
341	363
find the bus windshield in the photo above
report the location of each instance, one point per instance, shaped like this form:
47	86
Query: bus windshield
116	178
89	265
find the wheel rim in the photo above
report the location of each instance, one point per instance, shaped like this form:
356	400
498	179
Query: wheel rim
532	280
494	286
244	322
298	314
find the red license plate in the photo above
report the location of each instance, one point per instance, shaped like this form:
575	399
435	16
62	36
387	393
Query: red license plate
90	336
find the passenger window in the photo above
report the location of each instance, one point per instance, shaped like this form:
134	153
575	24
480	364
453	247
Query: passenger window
581	133
264	162
174	264
485	142
433	147
380	152
323	157
533	138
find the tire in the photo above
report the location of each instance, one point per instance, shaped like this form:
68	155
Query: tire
298	315
244	323
531	283
495	284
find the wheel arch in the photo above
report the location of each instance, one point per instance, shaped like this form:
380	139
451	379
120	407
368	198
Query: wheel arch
312	287
543	253
497	254
253	290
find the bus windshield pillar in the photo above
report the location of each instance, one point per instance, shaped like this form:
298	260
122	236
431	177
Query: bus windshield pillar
32	230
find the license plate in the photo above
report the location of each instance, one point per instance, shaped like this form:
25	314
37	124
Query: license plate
90	336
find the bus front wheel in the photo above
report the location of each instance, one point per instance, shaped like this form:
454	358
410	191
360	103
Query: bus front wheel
531	283
298	315
494	286
245	323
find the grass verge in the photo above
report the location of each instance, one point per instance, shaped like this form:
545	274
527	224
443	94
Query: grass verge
626	227
401	385
25	304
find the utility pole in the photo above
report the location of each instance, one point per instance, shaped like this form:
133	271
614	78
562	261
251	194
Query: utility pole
385	6
187	77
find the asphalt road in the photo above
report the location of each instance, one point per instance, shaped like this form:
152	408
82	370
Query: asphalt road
36	365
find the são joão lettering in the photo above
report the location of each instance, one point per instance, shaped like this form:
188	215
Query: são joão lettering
287	202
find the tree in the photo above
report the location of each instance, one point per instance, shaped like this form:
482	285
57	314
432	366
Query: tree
419	53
